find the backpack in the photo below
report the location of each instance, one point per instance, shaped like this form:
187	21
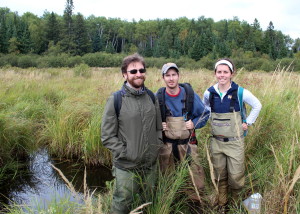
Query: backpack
118	99
188	101
238	94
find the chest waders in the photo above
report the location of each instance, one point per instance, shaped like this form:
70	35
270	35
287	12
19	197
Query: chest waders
227	150
227	126
177	134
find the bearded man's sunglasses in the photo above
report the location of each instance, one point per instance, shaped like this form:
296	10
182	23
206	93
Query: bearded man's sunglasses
134	71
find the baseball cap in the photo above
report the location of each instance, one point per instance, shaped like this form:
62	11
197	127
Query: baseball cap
167	66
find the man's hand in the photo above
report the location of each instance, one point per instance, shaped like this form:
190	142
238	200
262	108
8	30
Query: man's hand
189	124
164	125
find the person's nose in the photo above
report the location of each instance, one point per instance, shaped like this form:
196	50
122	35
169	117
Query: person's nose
138	73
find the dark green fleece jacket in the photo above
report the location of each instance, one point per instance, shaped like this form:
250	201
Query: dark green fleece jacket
135	137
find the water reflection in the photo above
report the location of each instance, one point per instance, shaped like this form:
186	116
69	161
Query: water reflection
41	184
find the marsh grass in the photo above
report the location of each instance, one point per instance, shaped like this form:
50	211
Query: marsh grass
53	107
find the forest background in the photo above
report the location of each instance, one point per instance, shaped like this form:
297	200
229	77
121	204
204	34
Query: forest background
65	41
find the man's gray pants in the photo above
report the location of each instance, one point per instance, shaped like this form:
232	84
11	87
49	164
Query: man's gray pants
128	184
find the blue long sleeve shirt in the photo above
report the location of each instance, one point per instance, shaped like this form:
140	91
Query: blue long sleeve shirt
200	113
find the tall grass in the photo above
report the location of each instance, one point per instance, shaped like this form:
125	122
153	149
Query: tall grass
53	107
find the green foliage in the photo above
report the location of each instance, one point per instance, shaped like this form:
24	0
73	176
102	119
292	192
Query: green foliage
82	70
72	61
77	35
81	37
26	61
53	61
103	59
52	29
8	59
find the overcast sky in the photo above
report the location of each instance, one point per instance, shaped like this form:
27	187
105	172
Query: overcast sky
285	14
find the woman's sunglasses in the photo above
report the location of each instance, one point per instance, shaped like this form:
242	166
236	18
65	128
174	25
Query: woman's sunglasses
134	71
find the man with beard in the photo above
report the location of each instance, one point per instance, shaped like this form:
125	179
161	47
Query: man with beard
182	112
132	131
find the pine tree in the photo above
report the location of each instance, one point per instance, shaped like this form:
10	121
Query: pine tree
67	42
24	39
3	35
196	52
81	38
269	42
52	29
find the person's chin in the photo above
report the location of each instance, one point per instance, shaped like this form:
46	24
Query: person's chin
223	81
138	84
172	85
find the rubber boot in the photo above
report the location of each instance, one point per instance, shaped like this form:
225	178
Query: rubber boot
223	190
236	197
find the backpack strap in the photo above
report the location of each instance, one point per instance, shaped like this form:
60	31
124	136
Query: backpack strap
233	101
242	107
241	103
211	101
118	99
161	101
188	101
151	95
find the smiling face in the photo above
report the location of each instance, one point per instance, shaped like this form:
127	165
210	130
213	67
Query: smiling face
223	75
171	78
135	80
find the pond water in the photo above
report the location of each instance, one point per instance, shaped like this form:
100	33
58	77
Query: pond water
39	183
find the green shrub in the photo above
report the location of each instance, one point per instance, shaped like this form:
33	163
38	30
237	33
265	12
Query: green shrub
82	70
207	63
73	61
101	59
53	61
26	61
267	66
9	59
285	63
155	62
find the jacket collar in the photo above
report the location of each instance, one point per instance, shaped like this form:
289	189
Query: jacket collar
233	87
128	89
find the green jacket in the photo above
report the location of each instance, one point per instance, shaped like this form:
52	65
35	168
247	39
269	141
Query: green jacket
136	136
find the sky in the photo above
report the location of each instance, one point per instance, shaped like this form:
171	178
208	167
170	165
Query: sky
283	13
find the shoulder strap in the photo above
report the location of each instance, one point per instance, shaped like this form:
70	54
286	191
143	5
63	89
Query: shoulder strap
161	100
151	95
211	101
118	100
233	101
189	100
241	103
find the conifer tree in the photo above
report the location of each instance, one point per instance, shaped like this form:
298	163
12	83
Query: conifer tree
3	35
81	38
67	42
52	29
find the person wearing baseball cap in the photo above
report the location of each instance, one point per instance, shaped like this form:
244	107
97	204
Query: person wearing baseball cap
182	112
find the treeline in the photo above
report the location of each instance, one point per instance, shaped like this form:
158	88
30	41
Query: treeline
75	35
101	59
